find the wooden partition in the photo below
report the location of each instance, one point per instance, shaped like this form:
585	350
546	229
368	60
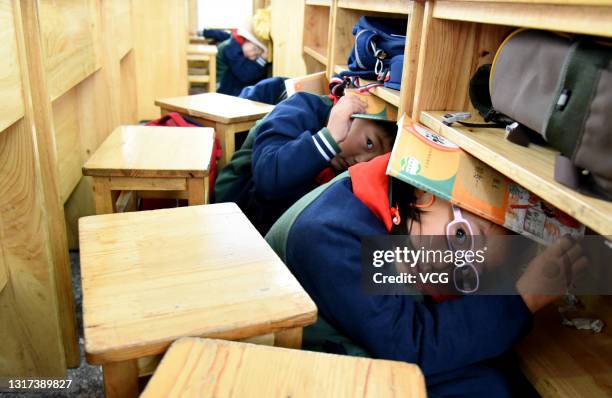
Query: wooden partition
69	74
30	317
160	52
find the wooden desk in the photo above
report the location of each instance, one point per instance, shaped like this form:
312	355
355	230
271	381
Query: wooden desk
151	159
226	114
152	277
204	53
212	368
198	40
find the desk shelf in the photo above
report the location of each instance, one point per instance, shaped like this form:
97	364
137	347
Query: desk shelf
318	53
564	362
532	167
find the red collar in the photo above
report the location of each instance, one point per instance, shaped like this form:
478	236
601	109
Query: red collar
371	186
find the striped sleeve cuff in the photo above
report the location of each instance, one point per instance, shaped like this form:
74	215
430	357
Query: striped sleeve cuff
325	143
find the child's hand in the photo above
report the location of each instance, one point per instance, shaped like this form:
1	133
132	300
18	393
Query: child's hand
251	50
549	275
340	121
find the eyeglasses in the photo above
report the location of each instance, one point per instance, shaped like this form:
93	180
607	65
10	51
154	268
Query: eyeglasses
459	236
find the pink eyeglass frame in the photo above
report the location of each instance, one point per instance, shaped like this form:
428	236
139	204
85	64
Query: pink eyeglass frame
459	219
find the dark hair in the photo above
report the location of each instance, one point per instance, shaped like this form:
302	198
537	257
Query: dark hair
403	196
390	129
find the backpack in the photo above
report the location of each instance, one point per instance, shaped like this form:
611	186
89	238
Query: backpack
377	40
173	119
558	88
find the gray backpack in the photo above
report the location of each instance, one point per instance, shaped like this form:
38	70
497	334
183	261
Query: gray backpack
560	87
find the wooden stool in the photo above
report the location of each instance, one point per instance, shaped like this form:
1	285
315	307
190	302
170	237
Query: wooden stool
203	368
152	277
135	158
203	53
226	114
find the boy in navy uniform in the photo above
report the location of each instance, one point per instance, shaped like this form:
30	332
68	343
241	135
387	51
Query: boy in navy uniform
302	143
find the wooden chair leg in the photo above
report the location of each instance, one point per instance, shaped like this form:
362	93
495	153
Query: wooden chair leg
103	196
121	379
291	338
196	191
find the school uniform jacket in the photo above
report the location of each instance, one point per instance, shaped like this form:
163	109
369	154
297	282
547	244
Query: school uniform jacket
234	70
290	148
319	240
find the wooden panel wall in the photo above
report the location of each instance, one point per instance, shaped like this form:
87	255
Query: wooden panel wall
71	43
286	32
30	319
10	77
160	53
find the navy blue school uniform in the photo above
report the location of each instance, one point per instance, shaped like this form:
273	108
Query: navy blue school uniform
235	71
319	240
269	91
280	159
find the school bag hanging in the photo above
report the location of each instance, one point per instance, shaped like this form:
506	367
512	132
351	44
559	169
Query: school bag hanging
377	41
560	87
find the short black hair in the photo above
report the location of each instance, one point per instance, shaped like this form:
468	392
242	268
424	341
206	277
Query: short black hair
390	128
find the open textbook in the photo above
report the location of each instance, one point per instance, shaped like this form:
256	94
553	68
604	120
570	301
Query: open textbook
431	162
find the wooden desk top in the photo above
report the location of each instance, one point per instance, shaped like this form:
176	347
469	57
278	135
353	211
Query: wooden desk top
147	151
213	368
151	277
217	107
205	49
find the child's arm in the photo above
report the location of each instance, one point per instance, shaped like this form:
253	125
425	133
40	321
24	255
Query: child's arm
286	154
323	252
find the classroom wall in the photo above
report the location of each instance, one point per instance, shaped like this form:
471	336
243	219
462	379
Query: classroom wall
286	32
160	52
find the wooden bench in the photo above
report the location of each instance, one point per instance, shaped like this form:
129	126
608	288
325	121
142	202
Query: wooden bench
152	277
200	53
203	368
146	158
226	114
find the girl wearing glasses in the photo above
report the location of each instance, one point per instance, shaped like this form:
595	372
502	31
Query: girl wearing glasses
453	341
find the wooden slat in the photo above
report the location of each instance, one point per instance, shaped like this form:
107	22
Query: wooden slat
316	32
202	49
145	184
128	97
576	18
30	333
388	6
198	79
317	53
12	108
225	368
531	167
411	56
562	362
70	32
151	277
287	34
322	3
68	142
159	76
123	37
